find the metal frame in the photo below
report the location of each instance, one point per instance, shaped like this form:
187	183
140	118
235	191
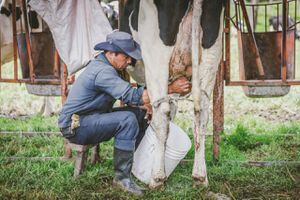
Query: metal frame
268	82
224	70
32	77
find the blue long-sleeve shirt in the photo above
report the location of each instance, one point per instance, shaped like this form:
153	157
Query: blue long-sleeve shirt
96	89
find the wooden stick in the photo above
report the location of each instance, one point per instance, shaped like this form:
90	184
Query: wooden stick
253	41
227	187
28	45
290	174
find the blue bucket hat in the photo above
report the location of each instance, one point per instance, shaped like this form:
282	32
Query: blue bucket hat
121	42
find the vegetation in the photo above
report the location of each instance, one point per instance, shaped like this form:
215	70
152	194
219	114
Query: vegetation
231	176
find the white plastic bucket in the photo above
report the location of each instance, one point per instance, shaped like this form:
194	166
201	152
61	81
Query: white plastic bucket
178	144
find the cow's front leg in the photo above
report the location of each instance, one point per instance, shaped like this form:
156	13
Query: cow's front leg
160	123
156	56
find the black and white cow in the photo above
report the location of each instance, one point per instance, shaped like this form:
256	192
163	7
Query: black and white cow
111	10
177	38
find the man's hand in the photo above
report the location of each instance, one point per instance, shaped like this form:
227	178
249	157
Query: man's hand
148	108
145	97
181	86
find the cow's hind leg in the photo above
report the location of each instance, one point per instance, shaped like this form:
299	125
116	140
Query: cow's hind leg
204	74
201	109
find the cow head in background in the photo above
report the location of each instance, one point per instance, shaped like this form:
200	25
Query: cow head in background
111	10
276	24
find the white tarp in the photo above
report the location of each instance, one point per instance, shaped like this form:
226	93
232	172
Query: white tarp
76	25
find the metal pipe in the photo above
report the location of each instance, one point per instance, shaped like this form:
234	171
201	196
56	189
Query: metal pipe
31	67
273	82
253	43
64	94
283	47
295	35
227	42
266	18
15	44
37	81
0	55
277	17
253	16
268	4
218	110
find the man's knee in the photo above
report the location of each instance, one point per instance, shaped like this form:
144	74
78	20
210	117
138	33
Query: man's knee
128	131
129	118
129	115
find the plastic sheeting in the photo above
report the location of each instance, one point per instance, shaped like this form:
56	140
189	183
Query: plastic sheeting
76	25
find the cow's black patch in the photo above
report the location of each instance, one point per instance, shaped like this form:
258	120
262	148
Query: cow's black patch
18	11
131	6
5	11
33	19
210	21
170	14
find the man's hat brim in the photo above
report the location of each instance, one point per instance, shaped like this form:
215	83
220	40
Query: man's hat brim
108	46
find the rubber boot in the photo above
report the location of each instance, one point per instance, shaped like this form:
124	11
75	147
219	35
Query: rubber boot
123	161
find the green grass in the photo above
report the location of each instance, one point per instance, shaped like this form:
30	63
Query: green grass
24	179
34	123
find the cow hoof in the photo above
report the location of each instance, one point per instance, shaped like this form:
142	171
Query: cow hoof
200	181
157	183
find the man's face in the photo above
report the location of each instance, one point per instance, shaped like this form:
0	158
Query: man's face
121	61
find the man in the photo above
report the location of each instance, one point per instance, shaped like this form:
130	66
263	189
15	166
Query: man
87	116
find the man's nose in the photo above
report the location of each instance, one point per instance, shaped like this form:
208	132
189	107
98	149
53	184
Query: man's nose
129	60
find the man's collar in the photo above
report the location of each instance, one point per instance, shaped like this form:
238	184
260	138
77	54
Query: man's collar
101	57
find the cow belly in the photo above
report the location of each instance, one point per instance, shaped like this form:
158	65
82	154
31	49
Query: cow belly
181	60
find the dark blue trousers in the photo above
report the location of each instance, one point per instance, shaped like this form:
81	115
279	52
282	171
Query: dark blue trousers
126	124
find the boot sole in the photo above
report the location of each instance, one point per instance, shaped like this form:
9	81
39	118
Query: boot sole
120	186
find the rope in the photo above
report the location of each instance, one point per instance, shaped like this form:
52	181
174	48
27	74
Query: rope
171	99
